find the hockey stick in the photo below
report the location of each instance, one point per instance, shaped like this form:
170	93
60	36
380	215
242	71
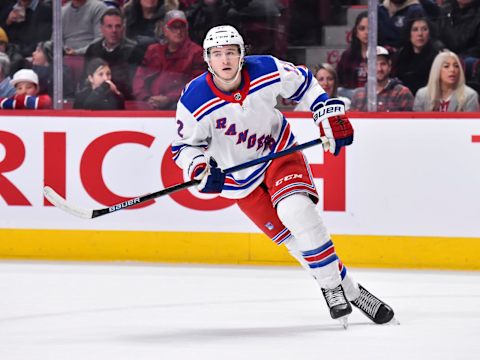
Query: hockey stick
85	213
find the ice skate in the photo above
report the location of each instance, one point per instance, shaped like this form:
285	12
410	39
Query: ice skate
338	304
374	308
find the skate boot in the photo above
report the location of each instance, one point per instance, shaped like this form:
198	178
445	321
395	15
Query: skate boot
338	304
374	308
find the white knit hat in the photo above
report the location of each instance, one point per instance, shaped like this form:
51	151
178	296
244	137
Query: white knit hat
24	75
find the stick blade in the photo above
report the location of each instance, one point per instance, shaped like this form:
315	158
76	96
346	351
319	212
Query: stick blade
63	204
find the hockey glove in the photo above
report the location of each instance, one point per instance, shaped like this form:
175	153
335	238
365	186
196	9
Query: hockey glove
335	128
211	177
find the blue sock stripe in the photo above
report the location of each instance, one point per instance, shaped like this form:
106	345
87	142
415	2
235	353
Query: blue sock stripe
318	250
325	262
343	273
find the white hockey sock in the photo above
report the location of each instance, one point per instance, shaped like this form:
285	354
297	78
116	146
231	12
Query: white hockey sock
311	239
350	287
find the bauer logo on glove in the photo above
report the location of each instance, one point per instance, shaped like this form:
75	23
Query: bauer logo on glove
324	110
335	128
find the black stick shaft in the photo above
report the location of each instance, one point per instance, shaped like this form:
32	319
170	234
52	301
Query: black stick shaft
185	185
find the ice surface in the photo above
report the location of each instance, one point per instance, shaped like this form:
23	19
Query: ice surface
133	311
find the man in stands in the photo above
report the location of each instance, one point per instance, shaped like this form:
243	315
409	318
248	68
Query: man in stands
81	24
122	54
391	94
167	67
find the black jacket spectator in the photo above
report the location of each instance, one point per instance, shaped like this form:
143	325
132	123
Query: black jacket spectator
140	28
100	93
36	27
413	62
460	28
101	98
203	15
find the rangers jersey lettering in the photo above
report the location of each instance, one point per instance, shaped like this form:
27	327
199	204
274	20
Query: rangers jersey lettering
241	126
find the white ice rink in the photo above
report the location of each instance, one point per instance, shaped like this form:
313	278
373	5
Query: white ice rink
121	311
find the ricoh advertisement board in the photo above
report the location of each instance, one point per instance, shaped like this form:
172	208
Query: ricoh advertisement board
406	176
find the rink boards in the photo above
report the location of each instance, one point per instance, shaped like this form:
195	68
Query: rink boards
405	194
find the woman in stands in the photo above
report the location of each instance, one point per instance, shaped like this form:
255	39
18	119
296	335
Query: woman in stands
352	67
328	80
446	90
100	93
413	62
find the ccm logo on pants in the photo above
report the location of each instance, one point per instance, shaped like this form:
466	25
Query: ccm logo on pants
288	178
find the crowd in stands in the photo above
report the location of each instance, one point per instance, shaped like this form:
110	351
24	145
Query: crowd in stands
427	60
118	52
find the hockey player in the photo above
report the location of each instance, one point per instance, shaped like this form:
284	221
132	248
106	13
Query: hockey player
227	116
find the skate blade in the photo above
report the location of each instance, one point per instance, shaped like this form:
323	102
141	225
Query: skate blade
343	321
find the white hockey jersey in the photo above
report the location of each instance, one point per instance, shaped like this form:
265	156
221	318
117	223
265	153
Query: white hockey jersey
244	125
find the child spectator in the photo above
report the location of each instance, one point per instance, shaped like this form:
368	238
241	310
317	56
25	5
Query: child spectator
446	90
100	93
26	93
42	64
352	67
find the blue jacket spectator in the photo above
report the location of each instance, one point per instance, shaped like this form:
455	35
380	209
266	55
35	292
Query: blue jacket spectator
393	17
6	89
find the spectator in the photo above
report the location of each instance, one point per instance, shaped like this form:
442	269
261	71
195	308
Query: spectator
142	16
205	14
391	94
26	93
352	67
264	22
81	24
168	67
100	93
460	30
413	62
17	61
42	64
6	89
122	54
328	80
393	16
446	90
27	22
431	9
